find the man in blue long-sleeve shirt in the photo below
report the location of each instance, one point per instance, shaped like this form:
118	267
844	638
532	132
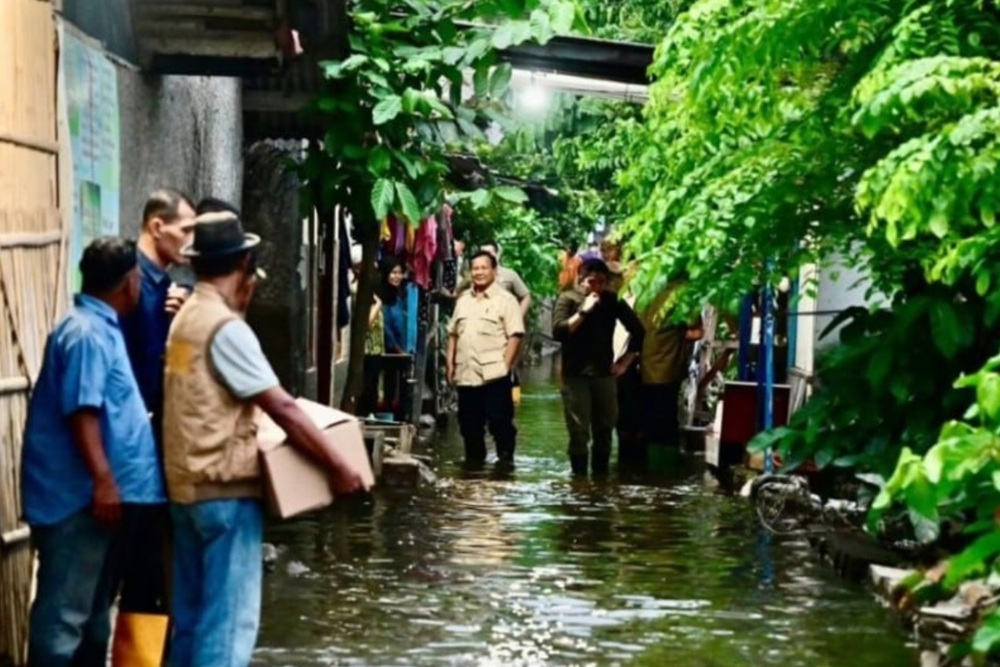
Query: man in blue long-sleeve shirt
167	226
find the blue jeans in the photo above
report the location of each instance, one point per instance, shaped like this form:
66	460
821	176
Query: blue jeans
70	617
218	564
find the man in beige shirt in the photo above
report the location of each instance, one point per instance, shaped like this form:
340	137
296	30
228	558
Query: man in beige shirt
484	337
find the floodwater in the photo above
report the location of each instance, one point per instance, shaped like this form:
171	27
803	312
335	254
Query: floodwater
531	568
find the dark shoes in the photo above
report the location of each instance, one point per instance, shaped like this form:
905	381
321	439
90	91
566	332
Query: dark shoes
600	462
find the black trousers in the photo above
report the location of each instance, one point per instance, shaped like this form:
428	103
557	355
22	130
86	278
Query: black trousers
142	551
368	401
662	416
631	443
490	405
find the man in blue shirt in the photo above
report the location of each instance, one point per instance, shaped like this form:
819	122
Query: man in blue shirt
167	223
88	452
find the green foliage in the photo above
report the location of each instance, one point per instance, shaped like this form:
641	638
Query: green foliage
780	131
632	20
958	482
394	109
889	384
574	151
501	215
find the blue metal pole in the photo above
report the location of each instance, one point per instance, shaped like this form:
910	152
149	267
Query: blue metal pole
767	367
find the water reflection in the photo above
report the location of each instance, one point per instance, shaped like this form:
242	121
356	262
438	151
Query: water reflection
530	568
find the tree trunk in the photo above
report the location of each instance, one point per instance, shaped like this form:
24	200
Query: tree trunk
366	228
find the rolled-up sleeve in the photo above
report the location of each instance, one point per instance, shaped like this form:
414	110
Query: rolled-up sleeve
513	321
85	370
564	309
237	357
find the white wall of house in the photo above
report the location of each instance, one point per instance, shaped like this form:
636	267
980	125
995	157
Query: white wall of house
840	285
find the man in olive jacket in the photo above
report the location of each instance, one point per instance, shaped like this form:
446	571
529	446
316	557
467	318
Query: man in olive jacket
584	322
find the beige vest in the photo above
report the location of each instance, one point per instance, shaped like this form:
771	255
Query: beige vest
209	435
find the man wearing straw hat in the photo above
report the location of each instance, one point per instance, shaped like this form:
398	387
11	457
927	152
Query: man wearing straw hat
89	453
216	378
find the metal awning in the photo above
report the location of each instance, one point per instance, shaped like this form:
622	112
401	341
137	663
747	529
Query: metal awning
622	62
243	37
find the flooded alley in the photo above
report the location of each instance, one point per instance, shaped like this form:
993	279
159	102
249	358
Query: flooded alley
532	568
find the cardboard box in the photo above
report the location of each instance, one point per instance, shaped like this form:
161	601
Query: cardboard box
293	482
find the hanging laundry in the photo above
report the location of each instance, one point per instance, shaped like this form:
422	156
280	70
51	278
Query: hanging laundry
399	236
424	250
445	236
412	317
411	238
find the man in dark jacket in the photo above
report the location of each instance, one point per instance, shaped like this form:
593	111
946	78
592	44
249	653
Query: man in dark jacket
584	322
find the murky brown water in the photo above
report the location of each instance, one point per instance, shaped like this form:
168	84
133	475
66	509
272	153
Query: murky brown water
533	569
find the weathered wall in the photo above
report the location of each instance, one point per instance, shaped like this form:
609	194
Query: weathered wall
178	131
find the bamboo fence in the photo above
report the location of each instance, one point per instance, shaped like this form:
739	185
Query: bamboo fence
32	274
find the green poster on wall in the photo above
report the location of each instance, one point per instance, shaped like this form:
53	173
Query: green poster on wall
88	95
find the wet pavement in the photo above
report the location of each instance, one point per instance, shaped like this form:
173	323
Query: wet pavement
531	568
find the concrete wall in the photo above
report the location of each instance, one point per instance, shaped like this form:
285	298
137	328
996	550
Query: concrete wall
183	132
187	133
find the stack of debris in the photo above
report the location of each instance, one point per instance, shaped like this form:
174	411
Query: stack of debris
941	627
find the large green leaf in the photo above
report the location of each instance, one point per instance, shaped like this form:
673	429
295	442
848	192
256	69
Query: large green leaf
510	194
383	195
541	26
379	160
411	100
408	203
354	62
521	32
453	54
500	80
439	107
409	163
974	559
563	17
988	397
480	198
387	110
481	81
503	37
987	637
